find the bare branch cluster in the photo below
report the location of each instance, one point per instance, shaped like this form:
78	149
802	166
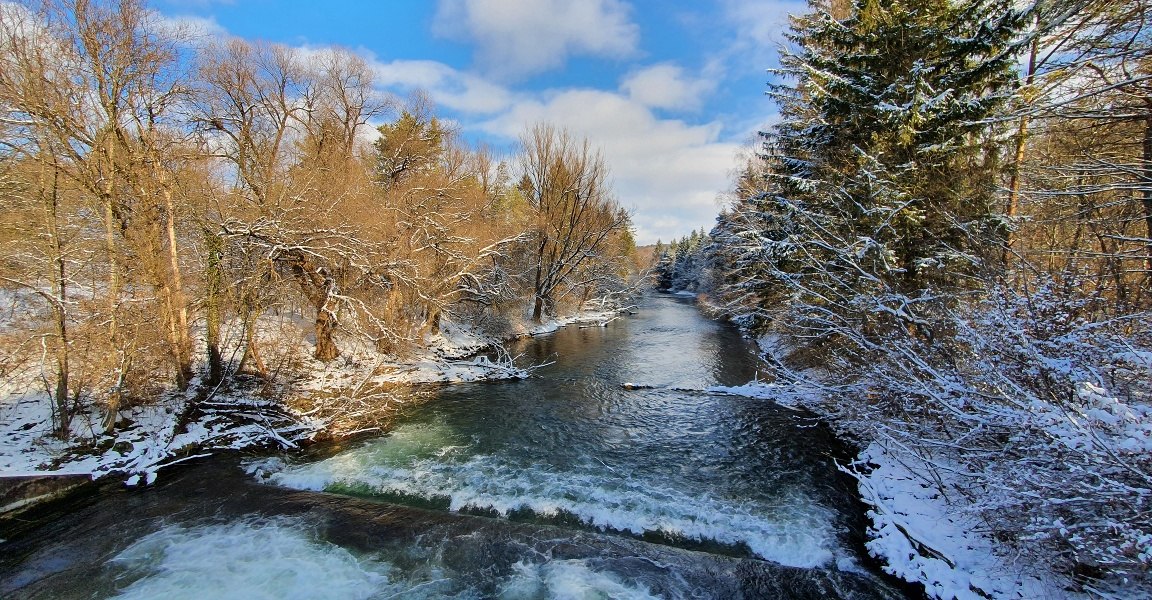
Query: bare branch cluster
170	202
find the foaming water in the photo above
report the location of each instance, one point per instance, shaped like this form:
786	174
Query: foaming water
572	446
248	560
282	559
568	580
792	529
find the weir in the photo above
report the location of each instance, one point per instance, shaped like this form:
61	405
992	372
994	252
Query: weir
567	482
210	525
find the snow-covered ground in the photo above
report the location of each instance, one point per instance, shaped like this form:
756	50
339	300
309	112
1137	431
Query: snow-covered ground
149	437
320	398
921	527
921	536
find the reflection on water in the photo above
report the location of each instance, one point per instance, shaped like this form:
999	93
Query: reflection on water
573	446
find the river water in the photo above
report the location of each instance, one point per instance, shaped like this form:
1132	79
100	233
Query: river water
568	484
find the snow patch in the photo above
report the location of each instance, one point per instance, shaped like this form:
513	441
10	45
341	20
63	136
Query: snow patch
921	537
1136	358
457	340
147	439
598	318
790	396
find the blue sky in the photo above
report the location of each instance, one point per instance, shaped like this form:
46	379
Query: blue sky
671	91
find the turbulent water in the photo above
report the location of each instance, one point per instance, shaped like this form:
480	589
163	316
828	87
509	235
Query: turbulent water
573	445
281	560
567	470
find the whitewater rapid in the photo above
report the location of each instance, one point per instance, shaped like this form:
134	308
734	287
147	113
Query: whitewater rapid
426	465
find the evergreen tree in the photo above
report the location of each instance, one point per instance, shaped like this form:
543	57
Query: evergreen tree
665	262
881	158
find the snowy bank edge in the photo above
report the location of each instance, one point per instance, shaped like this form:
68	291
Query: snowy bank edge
139	452
916	533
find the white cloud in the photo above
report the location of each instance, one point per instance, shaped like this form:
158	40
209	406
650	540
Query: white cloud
668	171
761	23
520	37
668	86
190	30
448	87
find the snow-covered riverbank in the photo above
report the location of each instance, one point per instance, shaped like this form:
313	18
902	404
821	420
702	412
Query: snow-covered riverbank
359	391
925	508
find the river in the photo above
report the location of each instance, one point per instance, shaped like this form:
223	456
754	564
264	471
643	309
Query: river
569	484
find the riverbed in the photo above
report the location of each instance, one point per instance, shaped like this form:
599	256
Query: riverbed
610	473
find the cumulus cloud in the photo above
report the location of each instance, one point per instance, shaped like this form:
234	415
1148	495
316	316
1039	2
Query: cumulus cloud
668	86
448	87
668	171
515	38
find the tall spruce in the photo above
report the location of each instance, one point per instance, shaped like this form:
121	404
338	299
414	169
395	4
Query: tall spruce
882	156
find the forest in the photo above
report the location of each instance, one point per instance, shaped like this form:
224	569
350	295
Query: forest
948	233
177	211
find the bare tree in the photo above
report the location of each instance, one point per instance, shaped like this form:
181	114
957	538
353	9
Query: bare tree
88	85
565	180
1083	182
289	131
248	115
437	194
38	263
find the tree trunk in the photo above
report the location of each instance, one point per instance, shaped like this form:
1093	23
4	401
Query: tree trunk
169	302
181	337
432	323
251	348
326	349
213	289
63	411
1013	206
108	200
538	310
1146	198
59	308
